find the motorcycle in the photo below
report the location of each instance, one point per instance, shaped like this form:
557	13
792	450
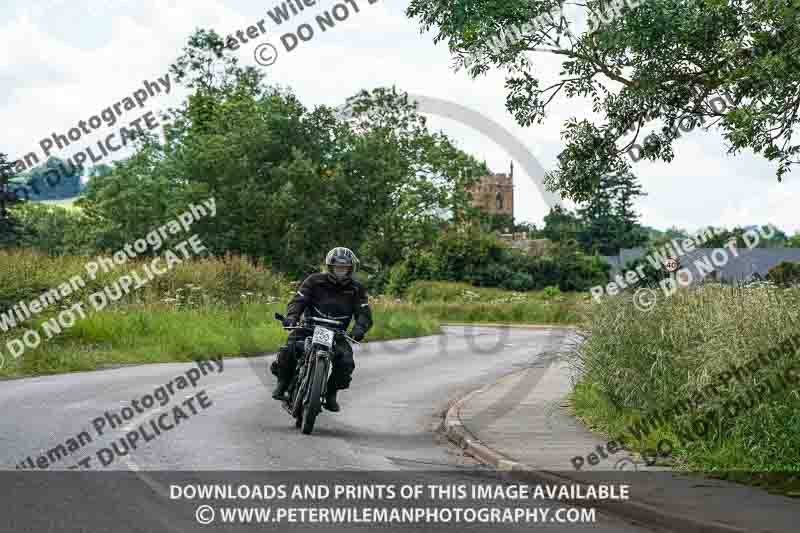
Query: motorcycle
308	388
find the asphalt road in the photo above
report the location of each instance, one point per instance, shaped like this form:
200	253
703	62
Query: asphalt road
228	422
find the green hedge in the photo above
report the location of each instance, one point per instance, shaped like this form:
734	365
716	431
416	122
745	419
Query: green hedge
785	274
485	261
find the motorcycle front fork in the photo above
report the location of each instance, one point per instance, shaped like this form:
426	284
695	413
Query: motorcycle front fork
299	375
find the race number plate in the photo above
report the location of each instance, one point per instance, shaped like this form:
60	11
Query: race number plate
323	336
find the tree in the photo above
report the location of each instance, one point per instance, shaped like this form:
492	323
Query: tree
8	229
128	204
409	177
6	196
658	59
599	225
629	233
609	219
675	233
53	230
101	170
502	223
603	224
289	182
561	225
785	274
55	180
497	222
722	236
744	238
779	239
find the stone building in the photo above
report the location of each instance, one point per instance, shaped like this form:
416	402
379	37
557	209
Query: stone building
494	194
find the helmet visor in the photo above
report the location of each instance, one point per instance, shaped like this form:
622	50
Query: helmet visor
341	271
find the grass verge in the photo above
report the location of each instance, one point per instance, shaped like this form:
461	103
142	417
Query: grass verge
658	376
158	333
461	302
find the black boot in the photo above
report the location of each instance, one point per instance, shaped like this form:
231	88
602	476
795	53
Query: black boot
280	390
330	401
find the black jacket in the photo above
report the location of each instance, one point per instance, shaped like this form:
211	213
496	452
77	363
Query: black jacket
322	297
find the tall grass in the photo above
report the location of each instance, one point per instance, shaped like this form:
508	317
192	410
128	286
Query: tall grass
632	363
153	333
461	302
458	292
199	309
25	275
543	313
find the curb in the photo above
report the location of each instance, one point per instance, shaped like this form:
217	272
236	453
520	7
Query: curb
638	511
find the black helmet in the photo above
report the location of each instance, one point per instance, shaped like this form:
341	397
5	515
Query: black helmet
340	256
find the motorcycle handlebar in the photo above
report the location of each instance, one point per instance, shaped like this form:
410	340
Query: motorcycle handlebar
279	317
325	321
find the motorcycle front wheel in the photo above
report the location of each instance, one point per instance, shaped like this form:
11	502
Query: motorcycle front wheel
314	405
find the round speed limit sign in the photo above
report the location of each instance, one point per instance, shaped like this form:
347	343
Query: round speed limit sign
671	265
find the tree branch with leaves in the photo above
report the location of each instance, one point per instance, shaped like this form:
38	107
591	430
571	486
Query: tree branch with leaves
664	59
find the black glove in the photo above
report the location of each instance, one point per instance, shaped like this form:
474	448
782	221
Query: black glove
289	322
357	334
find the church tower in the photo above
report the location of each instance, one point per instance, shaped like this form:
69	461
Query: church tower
494	194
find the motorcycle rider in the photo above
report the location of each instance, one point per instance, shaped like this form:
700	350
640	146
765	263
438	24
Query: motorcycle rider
335	295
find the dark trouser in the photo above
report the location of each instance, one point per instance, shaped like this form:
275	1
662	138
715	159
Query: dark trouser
285	364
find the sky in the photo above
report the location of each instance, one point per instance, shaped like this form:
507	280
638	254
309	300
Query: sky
64	61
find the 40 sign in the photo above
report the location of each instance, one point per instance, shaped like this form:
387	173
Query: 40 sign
672	265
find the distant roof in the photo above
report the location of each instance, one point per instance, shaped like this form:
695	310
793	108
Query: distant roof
756	261
739	266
